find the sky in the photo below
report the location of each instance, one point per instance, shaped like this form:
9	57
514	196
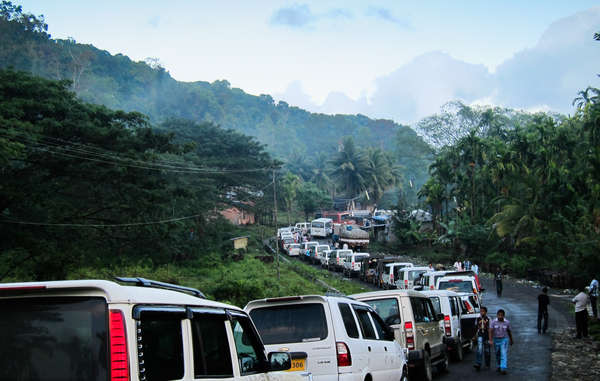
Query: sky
393	59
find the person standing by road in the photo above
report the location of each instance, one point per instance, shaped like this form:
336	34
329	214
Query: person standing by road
467	265
475	269
500	335
481	335
581	301
498	279
594	297
543	301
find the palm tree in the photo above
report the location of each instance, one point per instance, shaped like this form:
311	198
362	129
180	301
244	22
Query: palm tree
319	171
350	168
383	173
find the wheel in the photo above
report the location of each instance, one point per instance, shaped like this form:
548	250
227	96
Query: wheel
459	354
470	346
442	366
425	372
404	375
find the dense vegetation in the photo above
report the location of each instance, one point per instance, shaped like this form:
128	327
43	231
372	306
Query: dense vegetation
516	190
292	134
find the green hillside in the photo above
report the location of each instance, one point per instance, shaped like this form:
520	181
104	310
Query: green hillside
120	83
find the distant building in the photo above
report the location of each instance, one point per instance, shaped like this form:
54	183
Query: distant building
238	216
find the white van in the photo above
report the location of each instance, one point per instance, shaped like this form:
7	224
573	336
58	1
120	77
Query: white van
333	338
321	227
390	273
409	277
337	258
303	227
352	263
97	330
430	278
449	304
319	250
417	328
294	249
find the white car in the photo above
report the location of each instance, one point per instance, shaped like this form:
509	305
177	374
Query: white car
390	273
333	338
325	258
450	305
430	278
417	328
409	277
293	249
352	263
100	330
318	253
303	227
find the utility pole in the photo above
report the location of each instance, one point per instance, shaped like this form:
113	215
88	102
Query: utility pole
275	217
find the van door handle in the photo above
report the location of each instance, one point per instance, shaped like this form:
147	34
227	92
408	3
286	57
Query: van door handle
385	348
369	349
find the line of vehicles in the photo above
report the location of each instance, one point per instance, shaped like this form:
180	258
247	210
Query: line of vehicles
138	329
432	312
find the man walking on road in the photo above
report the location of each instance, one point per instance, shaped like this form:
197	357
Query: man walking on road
500	335
581	301
594	297
543	301
481	335
498	280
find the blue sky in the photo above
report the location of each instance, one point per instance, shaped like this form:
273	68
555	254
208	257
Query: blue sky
321	46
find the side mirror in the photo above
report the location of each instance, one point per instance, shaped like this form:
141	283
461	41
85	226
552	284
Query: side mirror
418	288
279	361
439	317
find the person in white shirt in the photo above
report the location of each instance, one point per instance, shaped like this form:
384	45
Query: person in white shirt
581	301
475	268
594	297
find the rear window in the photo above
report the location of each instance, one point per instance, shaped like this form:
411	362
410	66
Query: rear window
459	286
323	248
387	309
318	225
295	246
414	274
58	339
291	324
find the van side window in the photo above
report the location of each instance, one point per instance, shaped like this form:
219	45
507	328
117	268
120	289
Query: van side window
247	344
212	357
382	331
349	322
453	306
162	346
366	327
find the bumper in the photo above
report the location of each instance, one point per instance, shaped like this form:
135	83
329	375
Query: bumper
451	343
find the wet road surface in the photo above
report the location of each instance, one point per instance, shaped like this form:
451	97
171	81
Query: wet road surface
530	356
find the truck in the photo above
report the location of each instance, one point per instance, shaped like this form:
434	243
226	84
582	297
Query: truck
352	235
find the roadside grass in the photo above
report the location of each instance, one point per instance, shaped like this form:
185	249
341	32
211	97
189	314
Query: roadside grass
345	286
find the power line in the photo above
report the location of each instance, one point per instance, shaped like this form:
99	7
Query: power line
101	225
116	160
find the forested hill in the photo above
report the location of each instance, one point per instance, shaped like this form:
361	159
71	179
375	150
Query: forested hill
119	83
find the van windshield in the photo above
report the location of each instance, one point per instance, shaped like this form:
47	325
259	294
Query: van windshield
290	324
52	339
456	286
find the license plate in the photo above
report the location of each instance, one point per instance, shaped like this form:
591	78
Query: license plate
298	365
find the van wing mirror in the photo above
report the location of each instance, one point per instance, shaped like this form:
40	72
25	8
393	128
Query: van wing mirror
279	361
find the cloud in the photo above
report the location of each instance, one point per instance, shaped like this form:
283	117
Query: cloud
300	15
295	16
387	15
154	21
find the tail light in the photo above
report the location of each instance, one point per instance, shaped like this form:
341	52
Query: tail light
406	284
352	266
431	287
119	367
391	278
343	354
470	308
410	335
447	327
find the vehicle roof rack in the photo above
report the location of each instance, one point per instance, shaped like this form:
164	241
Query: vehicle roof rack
143	282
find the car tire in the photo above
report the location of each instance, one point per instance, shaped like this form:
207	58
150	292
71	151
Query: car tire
425	372
442	366
404	376
459	353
